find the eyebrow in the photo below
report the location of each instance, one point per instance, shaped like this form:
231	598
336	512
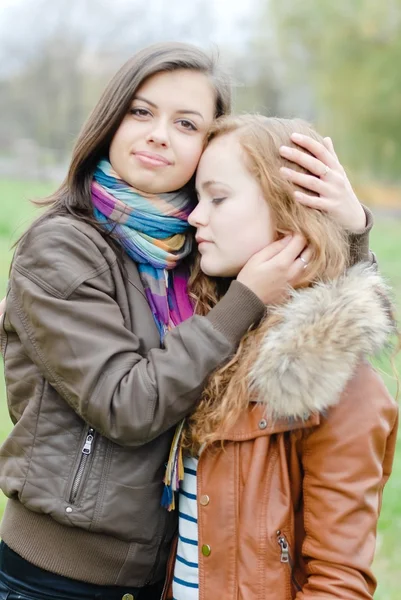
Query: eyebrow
207	184
180	112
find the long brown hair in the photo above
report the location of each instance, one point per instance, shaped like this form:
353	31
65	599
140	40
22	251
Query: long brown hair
227	393
73	196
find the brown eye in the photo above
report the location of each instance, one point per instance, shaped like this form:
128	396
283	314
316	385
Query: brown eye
140	112
187	125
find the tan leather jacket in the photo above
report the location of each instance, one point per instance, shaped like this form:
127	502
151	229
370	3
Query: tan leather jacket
289	508
94	400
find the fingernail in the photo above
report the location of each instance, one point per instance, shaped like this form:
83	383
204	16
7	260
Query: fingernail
296	136
298	194
285	149
285	171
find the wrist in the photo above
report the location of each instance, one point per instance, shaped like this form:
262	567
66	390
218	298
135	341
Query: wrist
360	225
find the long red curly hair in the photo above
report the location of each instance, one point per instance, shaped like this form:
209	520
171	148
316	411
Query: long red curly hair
227	394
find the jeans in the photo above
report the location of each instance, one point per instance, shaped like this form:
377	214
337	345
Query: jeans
21	580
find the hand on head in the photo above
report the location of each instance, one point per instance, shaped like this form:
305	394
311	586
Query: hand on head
328	179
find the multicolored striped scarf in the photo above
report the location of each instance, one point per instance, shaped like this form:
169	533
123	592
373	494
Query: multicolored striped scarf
154	231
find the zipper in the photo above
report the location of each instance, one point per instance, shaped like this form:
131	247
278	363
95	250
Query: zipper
285	557
85	454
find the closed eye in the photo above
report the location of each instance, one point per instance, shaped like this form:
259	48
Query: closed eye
218	200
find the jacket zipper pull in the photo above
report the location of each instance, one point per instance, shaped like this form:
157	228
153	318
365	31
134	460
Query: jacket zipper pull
285	554
87	449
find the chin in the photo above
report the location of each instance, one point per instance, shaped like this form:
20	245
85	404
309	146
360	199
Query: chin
213	270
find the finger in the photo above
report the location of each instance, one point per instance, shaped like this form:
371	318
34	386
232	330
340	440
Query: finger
292	250
315	202
285	250
310	163
306	255
309	182
300	265
330	146
2	306
316	148
328	142
273	249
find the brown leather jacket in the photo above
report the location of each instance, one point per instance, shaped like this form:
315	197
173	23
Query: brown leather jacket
94	400
289	508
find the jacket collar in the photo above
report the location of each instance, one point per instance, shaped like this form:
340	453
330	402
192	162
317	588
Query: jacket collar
307	359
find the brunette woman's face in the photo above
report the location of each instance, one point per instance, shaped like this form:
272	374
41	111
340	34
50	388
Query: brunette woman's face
158	144
232	218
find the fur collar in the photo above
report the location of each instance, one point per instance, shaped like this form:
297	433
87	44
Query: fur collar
306	360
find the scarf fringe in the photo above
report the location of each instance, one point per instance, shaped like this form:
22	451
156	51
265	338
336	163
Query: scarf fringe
174	469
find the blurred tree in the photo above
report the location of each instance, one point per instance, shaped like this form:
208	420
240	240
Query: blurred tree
49	84
350	54
255	81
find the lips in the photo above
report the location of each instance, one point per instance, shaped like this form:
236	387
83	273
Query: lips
152	159
200	240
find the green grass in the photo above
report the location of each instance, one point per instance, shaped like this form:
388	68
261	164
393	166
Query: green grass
385	241
15	214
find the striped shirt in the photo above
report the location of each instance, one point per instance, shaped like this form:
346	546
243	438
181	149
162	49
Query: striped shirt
186	572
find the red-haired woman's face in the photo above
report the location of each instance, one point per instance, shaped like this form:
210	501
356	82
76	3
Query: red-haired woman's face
232	218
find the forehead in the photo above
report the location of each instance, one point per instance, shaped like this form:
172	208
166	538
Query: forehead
182	87
222	154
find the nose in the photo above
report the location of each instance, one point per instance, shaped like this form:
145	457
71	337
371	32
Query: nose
198	217
159	134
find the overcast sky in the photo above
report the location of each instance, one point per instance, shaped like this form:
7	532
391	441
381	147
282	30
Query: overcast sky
229	16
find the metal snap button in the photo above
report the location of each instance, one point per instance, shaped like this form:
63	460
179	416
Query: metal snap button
206	550
262	424
68	509
128	597
204	500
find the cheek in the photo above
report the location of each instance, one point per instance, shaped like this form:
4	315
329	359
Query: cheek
189	153
118	143
126	134
244	237
257	230
263	235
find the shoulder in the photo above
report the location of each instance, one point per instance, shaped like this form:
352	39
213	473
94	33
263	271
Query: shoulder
365	410
366	394
61	252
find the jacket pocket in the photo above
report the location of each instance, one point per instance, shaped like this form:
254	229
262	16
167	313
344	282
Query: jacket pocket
286	558
80	474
